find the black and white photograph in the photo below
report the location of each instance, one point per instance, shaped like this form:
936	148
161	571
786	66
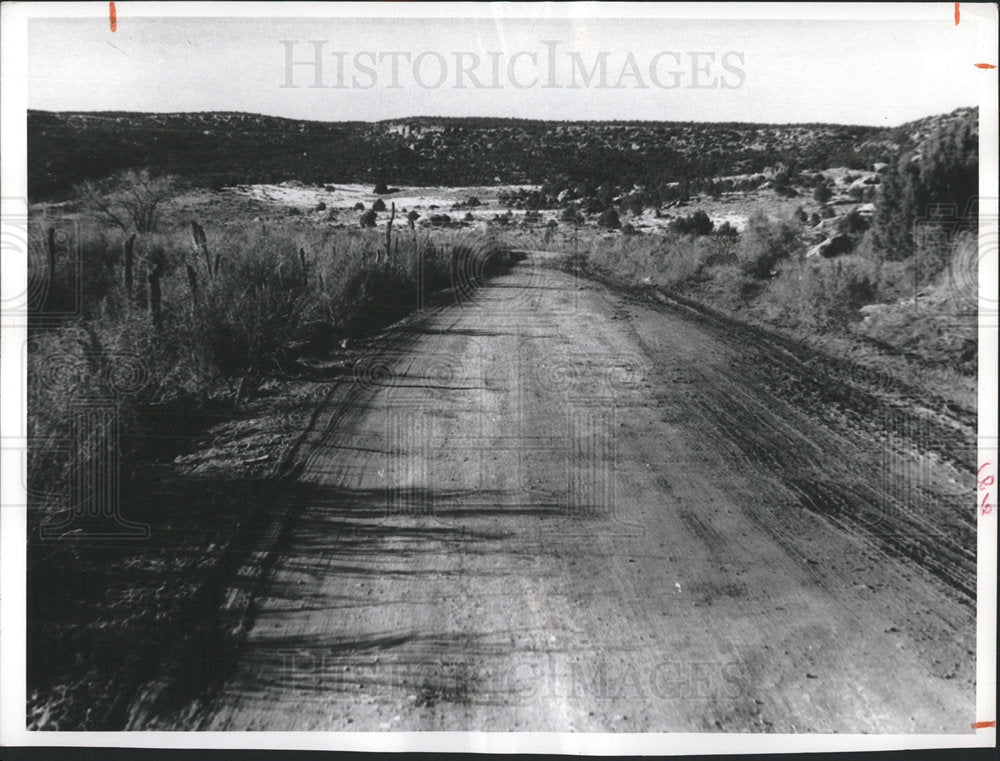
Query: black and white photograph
569	377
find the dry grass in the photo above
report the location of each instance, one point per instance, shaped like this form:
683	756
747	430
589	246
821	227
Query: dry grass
277	294
282	295
856	305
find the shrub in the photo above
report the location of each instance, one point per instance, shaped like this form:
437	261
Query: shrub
697	223
251	311
379	205
570	214
820	294
609	219
129	200
380	188
822	194
946	174
368	219
852	223
763	244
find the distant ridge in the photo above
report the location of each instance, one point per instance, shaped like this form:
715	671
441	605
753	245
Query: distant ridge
218	148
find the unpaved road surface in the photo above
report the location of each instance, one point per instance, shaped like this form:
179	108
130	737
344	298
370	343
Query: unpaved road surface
557	507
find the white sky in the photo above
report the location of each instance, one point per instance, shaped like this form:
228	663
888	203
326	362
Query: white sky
870	72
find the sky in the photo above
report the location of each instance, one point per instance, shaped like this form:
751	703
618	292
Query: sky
880	73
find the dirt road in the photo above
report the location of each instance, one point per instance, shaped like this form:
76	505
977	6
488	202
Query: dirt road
557	507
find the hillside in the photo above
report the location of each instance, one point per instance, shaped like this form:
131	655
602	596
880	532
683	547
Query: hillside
222	148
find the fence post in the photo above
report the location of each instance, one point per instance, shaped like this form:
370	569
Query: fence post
201	244
129	249
51	249
154	295
192	280
388	233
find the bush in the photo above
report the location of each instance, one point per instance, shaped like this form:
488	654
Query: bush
821	295
697	223
368	218
763	244
379	205
251	311
609	219
380	188
129	200
946	175
822	194
853	223
570	214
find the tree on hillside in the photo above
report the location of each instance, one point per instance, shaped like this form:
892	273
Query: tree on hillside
609	219
822	194
926	189
129	200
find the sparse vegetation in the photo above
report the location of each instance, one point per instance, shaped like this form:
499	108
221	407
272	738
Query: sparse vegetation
209	316
928	191
237	306
219	149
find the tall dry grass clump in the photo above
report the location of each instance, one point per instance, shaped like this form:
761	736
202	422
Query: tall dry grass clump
189	313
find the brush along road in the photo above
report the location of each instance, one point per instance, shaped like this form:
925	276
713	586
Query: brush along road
556	506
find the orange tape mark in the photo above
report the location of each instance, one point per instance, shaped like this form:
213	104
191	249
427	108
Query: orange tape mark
958	14
983	724
113	16
984	65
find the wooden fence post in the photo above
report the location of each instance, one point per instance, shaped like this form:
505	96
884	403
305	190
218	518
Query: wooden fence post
388	233
51	250
192	280
155	295
129	257
201	245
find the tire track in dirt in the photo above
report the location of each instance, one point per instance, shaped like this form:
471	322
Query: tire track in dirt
559	510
